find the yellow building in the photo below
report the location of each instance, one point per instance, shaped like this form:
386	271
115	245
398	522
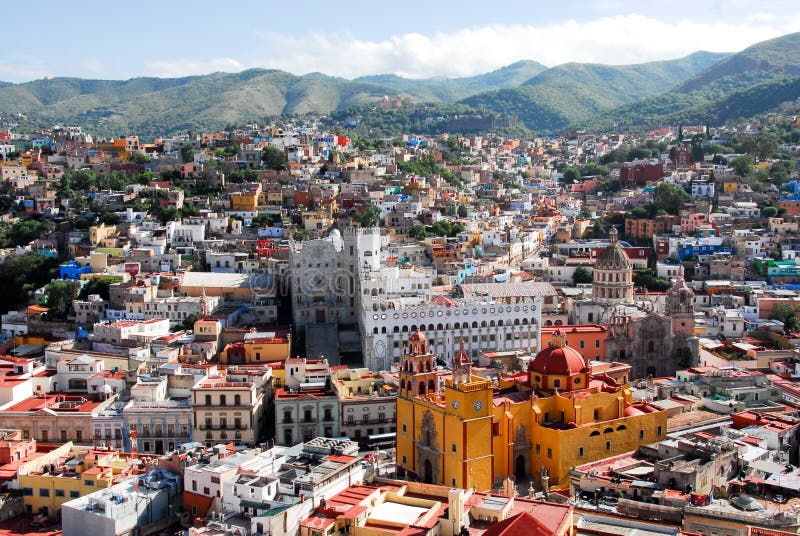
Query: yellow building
244	201
45	489
257	349
565	411
98	233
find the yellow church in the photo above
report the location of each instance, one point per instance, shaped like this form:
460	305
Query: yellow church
462	430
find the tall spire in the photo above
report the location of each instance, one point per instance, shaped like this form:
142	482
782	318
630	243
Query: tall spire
203	305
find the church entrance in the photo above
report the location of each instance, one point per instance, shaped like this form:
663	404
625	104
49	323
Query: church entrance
428	477
519	469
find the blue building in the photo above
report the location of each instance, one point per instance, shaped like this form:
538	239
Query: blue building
72	270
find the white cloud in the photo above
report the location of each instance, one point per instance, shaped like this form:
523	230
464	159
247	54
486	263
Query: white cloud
618	39
178	68
93	66
12	73
612	40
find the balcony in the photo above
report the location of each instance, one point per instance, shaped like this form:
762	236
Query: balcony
221	427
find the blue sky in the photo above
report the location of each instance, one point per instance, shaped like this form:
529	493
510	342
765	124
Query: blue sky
355	38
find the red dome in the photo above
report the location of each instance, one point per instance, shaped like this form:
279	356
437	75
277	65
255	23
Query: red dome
417	336
558	360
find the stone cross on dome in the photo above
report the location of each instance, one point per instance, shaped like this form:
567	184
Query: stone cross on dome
559	339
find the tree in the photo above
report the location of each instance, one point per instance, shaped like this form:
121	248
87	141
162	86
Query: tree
787	314
21	275
59	296
670	198
581	276
599	228
571	173
442	228
742	165
99	286
762	145
646	278
418	231
369	216
188	322
769	212
187	154
6	203
23	232
462	211
274	158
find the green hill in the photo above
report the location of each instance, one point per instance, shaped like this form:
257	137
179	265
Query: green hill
154	106
574	92
749	82
449	90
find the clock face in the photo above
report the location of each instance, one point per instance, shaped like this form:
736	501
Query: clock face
454	403
477	405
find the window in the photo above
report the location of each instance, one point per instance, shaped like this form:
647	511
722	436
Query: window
237	400
44	436
27	492
583	344
597	343
549	453
194	485
88	483
580	452
404	460
557	383
641	434
659	431
453	448
59	493
404	427
597	414
74	494
608	446
44	492
63	436
495	428
223	400
206	491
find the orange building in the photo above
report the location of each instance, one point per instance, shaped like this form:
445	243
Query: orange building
590	339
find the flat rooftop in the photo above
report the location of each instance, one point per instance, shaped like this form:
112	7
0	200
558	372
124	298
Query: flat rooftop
397	513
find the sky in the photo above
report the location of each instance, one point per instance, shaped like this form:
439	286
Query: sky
416	39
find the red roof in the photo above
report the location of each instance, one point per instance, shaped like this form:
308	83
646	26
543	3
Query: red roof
523	524
562	361
417	336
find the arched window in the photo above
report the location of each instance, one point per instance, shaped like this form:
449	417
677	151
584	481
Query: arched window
422	388
208	400
237	400
222	400
431	386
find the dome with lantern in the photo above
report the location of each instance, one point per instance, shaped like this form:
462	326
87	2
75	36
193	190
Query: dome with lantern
559	366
